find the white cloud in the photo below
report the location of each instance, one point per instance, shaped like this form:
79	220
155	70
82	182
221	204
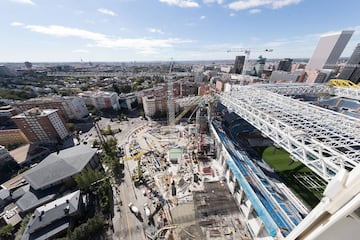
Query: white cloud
232	14
147	45
254	11
213	1
182	3
274	4
106	11
16	24
282	3
80	51
155	30
202	17
24	2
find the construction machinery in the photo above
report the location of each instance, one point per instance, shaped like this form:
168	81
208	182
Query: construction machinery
343	83
247	52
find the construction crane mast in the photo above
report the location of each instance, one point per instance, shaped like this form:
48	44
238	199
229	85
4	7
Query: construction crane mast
247	52
170	100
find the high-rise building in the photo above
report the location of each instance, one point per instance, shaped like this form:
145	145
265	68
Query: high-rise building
285	65
239	64
328	50
351	70
45	126
259	66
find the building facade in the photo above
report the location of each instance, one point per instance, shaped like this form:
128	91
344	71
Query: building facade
69	107
285	65
45	126
101	100
239	64
128	101
284	76
154	104
351	70
12	136
4	155
328	50
75	107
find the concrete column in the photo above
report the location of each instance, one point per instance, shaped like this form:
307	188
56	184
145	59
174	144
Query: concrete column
250	209
260	229
241	194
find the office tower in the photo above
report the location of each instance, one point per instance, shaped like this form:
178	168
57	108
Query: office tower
328	50
45	126
351	70
239	64
285	65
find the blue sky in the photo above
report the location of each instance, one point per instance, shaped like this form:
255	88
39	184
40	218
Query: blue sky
147	30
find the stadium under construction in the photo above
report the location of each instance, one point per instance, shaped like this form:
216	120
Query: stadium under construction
318	126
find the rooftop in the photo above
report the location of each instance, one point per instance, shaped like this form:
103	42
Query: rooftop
51	213
36	112
57	167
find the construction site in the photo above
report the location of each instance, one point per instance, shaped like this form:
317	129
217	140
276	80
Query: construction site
175	170
219	171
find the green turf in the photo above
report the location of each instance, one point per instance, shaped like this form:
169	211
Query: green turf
281	162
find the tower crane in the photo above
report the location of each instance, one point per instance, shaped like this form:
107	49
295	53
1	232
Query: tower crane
247	52
170	100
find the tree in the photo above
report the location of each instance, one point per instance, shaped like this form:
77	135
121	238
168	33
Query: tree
116	88
95	143
86	178
23	225
125	88
70	126
91	228
6	232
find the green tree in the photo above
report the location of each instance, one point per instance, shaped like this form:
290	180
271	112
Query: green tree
23	225
70	126
92	228
86	178
125	88
6	232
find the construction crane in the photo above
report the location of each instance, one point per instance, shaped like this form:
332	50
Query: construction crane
195	102
247	52
343	83
170	100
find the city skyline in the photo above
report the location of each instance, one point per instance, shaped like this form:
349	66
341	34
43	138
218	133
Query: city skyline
160	30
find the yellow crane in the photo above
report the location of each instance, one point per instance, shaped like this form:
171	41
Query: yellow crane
343	83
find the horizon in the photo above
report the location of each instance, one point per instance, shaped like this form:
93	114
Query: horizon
161	30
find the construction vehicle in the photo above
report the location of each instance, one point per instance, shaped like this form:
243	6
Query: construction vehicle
134	209
147	210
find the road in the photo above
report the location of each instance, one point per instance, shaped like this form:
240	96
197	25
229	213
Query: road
126	226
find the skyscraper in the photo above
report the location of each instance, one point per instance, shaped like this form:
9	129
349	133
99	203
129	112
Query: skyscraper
328	50
351	70
285	65
239	64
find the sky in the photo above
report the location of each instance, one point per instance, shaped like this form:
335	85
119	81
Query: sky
165	30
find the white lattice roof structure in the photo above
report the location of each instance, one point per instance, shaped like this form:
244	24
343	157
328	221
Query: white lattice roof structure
324	140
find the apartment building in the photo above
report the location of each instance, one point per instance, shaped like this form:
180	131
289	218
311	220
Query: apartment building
42	125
